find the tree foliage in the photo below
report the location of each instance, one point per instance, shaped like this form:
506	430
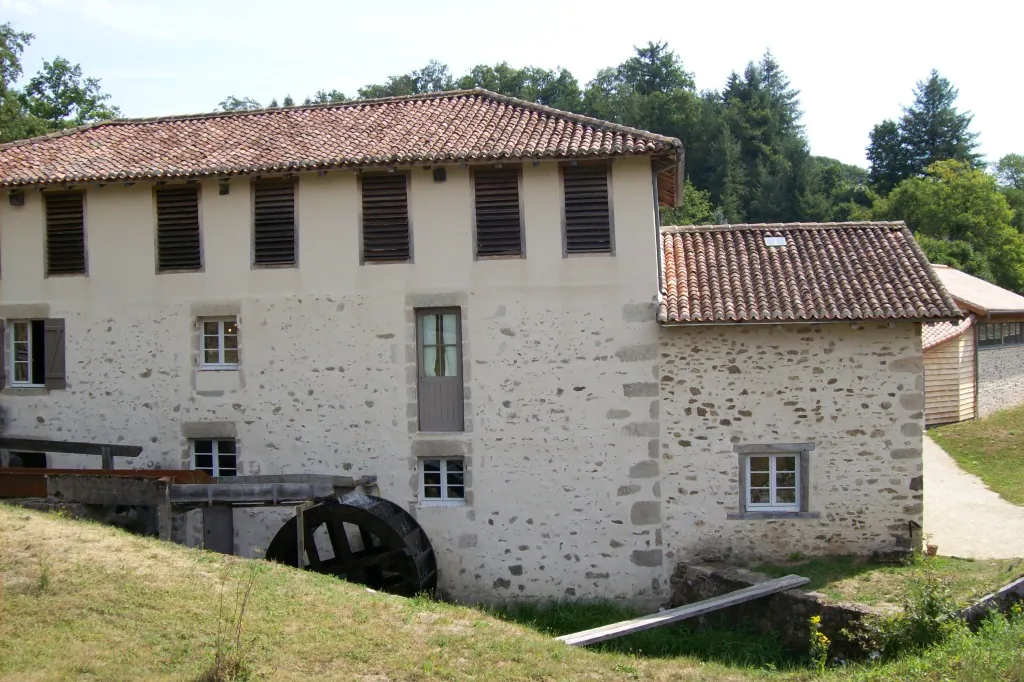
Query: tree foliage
931	129
232	103
963	220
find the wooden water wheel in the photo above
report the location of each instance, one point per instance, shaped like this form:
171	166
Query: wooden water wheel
363	539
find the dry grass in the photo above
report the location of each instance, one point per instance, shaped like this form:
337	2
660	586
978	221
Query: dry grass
120	607
856	579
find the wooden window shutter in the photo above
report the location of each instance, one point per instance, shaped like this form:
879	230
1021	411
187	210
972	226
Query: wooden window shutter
53	349
177	228
274	223
588	224
65	233
385	217
499	228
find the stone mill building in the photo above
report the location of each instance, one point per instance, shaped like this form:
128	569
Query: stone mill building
472	298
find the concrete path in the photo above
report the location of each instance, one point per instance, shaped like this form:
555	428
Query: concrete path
962	516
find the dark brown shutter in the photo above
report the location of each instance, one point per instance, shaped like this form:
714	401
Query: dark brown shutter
588	227
385	217
274	223
65	233
53	348
3	354
177	228
498	223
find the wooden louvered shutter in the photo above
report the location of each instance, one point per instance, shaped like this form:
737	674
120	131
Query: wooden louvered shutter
274	223
499	230
385	217
53	353
65	233
177	229
588	224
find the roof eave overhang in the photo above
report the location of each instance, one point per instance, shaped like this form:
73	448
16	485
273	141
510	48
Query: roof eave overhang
778	323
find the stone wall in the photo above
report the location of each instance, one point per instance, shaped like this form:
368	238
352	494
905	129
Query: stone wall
1000	379
785	615
853	392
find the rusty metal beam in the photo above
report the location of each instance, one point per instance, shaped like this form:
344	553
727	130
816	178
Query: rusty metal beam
69	447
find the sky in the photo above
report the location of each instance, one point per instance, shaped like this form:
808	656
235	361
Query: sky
855	63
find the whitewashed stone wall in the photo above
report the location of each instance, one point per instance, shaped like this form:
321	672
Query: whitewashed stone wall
856	394
1000	379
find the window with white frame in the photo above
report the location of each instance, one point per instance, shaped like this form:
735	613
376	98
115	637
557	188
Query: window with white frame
442	480
773	482
27	355
215	456
219	343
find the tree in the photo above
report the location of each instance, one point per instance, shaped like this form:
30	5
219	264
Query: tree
963	220
554	88
930	130
324	97
1010	171
62	97
697	209
232	103
15	123
434	77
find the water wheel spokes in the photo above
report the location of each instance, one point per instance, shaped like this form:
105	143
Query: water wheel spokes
363	539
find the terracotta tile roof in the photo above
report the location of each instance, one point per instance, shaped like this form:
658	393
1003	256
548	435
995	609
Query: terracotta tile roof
458	126
977	294
823	272
934	333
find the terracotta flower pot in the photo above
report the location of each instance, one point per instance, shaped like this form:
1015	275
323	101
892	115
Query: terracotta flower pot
931	550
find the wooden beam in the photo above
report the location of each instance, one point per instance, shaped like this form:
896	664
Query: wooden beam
683	612
69	447
199	494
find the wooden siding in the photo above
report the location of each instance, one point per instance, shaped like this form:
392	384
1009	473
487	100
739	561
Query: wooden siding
949	380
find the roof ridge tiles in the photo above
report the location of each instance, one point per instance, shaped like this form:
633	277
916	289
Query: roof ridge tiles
747	227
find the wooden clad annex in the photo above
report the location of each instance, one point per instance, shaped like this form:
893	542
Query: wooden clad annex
949	371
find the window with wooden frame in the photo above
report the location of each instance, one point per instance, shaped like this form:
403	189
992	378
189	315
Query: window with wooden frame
587	215
219	343
385	217
442	480
773	480
273	232
178	242
439	354
215	456
497	212
65	233
1000	334
33	354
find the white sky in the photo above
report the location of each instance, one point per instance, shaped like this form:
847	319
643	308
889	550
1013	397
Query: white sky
855	63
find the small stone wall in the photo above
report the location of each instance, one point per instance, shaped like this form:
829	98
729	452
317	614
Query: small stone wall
785	614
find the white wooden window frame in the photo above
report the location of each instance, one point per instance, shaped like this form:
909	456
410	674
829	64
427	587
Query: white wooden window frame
215	454
773	483
12	354
772	510
445	487
222	324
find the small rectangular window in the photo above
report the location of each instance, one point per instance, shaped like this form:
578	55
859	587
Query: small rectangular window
499	226
217	457
274	222
27	460
773	483
65	233
587	210
440	388
219	349
442	480
178	242
385	219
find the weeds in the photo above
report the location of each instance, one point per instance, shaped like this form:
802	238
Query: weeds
923	620
818	645
44	579
232	656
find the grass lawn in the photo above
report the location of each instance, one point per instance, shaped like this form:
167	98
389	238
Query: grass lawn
846	578
85	602
992	449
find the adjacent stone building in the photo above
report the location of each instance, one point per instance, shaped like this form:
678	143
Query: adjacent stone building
468	296
974	367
